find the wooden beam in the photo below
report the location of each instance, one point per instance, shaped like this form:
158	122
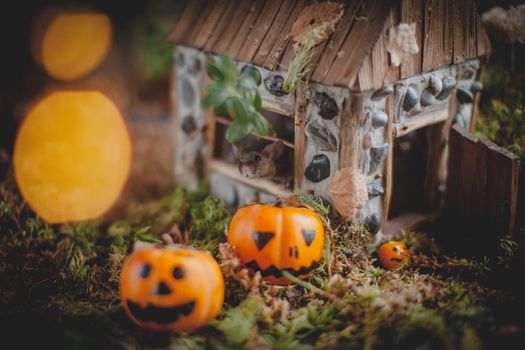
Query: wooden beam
232	172
277	107
418	122
408	221
226	121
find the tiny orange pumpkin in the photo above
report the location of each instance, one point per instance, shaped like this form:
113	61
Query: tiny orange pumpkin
273	239
173	288
393	255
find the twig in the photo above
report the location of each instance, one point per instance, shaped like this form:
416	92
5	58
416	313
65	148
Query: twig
310	286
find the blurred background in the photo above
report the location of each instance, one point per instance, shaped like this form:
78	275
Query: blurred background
135	75
136	72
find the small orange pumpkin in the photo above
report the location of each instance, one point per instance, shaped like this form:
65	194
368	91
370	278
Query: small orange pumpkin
273	239
393	255
165	289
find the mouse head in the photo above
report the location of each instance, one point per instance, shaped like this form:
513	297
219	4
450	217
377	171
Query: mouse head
254	164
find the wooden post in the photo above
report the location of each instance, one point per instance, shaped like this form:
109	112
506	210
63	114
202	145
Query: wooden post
389	110
350	135
301	105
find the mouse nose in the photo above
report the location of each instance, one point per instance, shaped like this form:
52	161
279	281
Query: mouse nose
162	289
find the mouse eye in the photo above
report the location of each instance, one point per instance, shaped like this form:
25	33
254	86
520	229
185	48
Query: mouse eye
258	158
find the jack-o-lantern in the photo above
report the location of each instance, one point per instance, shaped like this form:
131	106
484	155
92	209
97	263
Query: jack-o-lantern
165	289
393	255
272	239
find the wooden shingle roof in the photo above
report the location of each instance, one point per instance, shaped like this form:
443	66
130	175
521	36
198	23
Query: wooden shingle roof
257	31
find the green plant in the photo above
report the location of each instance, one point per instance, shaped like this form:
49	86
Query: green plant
504	123
300	65
236	95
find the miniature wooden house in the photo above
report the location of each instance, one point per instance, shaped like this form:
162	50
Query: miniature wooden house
357	109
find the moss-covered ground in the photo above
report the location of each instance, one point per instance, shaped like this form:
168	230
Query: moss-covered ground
59	287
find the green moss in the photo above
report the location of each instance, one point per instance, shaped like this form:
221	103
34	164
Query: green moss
439	301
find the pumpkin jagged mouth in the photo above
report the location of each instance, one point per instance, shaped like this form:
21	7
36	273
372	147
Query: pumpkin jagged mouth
275	272
162	315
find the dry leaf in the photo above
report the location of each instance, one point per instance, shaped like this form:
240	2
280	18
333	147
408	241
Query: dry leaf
402	42
348	191
313	16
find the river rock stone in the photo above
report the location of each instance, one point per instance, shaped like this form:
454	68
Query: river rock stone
318	169
377	156
427	98
464	96
375	189
188	94
384	92
379	119
254	72
373	222
321	136
194	66
274	83
410	100
188	124
326	105
449	83
476	87
435	85
179	59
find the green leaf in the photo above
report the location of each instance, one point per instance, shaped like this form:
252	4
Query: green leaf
257	102
214	71
214	97
246	81
237	130
260	124
239	110
227	67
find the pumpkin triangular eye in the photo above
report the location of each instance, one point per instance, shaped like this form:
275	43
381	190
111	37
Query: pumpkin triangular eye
308	236
261	238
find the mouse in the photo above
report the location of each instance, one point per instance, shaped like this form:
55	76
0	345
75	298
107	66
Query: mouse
258	163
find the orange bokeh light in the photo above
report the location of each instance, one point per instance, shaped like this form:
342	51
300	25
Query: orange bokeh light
72	156
73	44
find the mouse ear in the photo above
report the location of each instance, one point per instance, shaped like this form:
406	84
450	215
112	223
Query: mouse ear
273	150
237	150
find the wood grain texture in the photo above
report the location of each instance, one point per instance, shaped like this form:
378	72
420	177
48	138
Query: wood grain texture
433	35
222	25
275	30
354	56
376	71
255	37
283	39
336	40
210	24
482	185
233	25
412	12
482	40
201	22
387	174
359	43
246	27
301	104
352	119
186	22
459	31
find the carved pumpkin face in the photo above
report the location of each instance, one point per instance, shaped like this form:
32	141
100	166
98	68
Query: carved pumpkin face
164	289
393	255
271	239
